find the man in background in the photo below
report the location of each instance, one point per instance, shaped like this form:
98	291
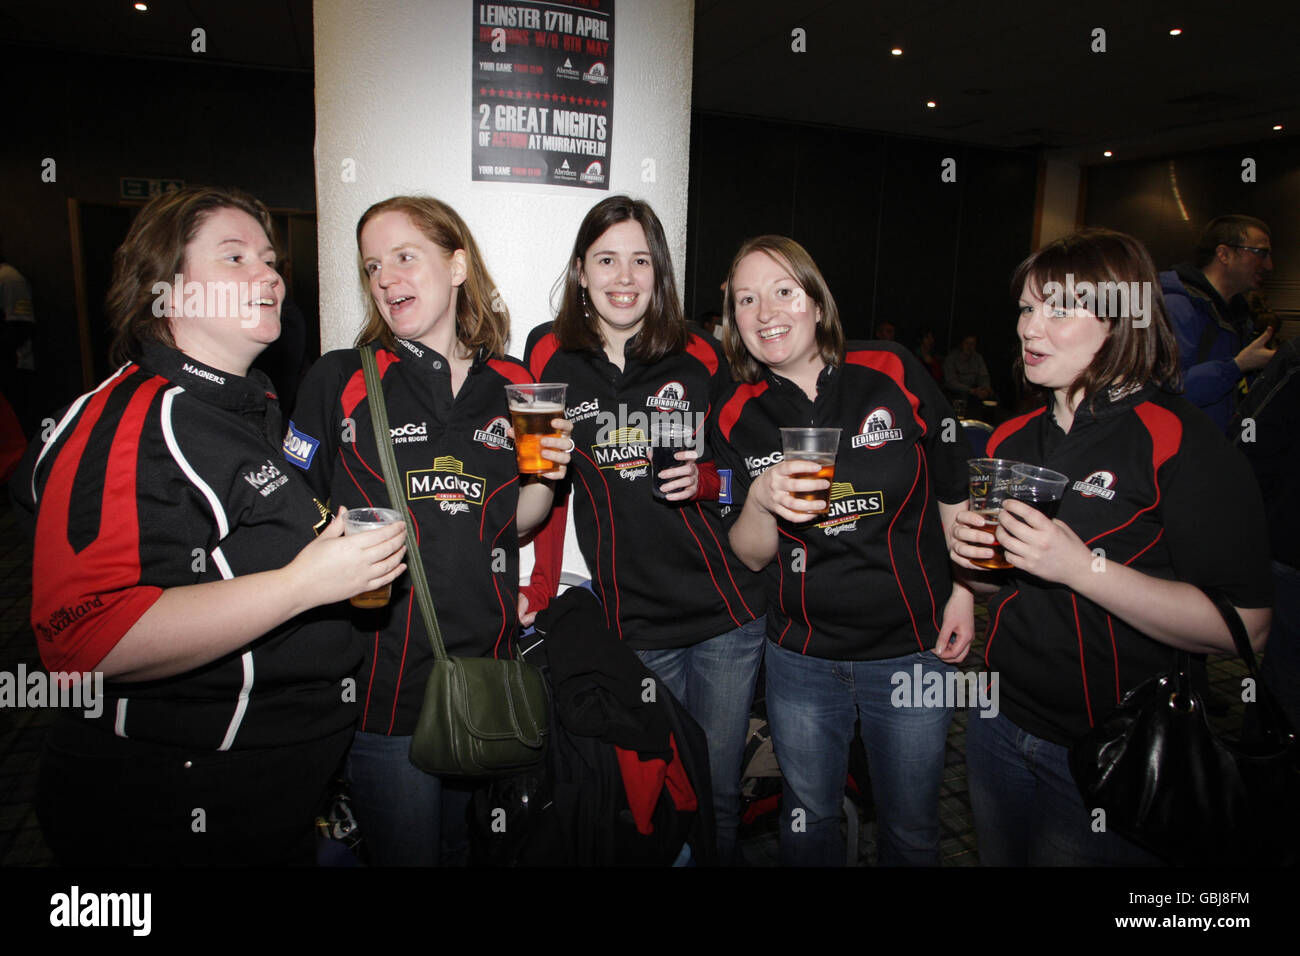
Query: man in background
1217	346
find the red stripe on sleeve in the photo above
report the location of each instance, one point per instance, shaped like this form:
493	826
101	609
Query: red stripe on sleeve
355	390
84	603
548	557
546	347
515	374
730	413
887	363
701	350
1009	428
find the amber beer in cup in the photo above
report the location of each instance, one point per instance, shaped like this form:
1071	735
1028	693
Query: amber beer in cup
359	521
817	445
990	480
532	407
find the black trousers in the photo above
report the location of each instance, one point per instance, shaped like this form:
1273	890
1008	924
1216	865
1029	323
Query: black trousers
109	801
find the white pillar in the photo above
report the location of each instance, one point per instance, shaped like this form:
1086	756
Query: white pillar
393	97
394	116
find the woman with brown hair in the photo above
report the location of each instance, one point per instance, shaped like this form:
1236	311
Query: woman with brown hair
670	586
863	614
438	330
1158	505
178	561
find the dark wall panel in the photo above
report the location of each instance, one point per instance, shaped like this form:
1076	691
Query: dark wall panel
894	240
101	118
1165	203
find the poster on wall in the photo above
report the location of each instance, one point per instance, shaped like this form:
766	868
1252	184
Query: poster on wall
543	92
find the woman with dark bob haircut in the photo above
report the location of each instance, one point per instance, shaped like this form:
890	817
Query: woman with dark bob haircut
196	576
861	601
438	330
1157	507
653	542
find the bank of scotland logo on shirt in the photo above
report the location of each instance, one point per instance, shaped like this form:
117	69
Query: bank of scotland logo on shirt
448	484
877	428
299	447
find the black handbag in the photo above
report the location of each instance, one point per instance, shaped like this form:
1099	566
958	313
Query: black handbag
1170	783
481	717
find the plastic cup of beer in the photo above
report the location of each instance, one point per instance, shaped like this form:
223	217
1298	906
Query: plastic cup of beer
816	445
359	521
667	438
990	483
1038	487
532	407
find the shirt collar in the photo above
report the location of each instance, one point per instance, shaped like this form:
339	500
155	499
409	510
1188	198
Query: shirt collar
212	385
1111	401
435	362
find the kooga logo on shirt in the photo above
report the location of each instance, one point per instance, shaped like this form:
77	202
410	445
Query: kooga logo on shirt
266	479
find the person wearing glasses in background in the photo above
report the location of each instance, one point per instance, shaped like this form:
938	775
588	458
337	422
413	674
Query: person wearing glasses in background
1216	343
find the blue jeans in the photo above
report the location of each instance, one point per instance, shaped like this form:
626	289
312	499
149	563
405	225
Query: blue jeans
714	681
407	817
1028	810
812	704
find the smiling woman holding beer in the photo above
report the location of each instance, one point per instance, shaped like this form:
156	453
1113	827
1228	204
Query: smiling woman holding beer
438	332
177	558
670	586
858	587
1157	505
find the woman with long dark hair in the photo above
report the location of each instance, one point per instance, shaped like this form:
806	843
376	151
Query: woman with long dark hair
671	587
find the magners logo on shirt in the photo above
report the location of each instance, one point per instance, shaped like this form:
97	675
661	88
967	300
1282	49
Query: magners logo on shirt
847	505
448	484
627	453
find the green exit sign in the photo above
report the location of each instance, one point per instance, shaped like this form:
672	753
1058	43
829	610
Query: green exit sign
140	187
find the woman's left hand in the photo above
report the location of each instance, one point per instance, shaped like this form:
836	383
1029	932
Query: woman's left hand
685	483
958	628
1042	546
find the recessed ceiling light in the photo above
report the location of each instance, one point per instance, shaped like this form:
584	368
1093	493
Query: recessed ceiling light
1277	125
1108	153
142	7
897	51
1176	32
931	104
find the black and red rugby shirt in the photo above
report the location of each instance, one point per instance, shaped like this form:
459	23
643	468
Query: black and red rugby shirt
663	570
169	474
462	489
869	581
1155	486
